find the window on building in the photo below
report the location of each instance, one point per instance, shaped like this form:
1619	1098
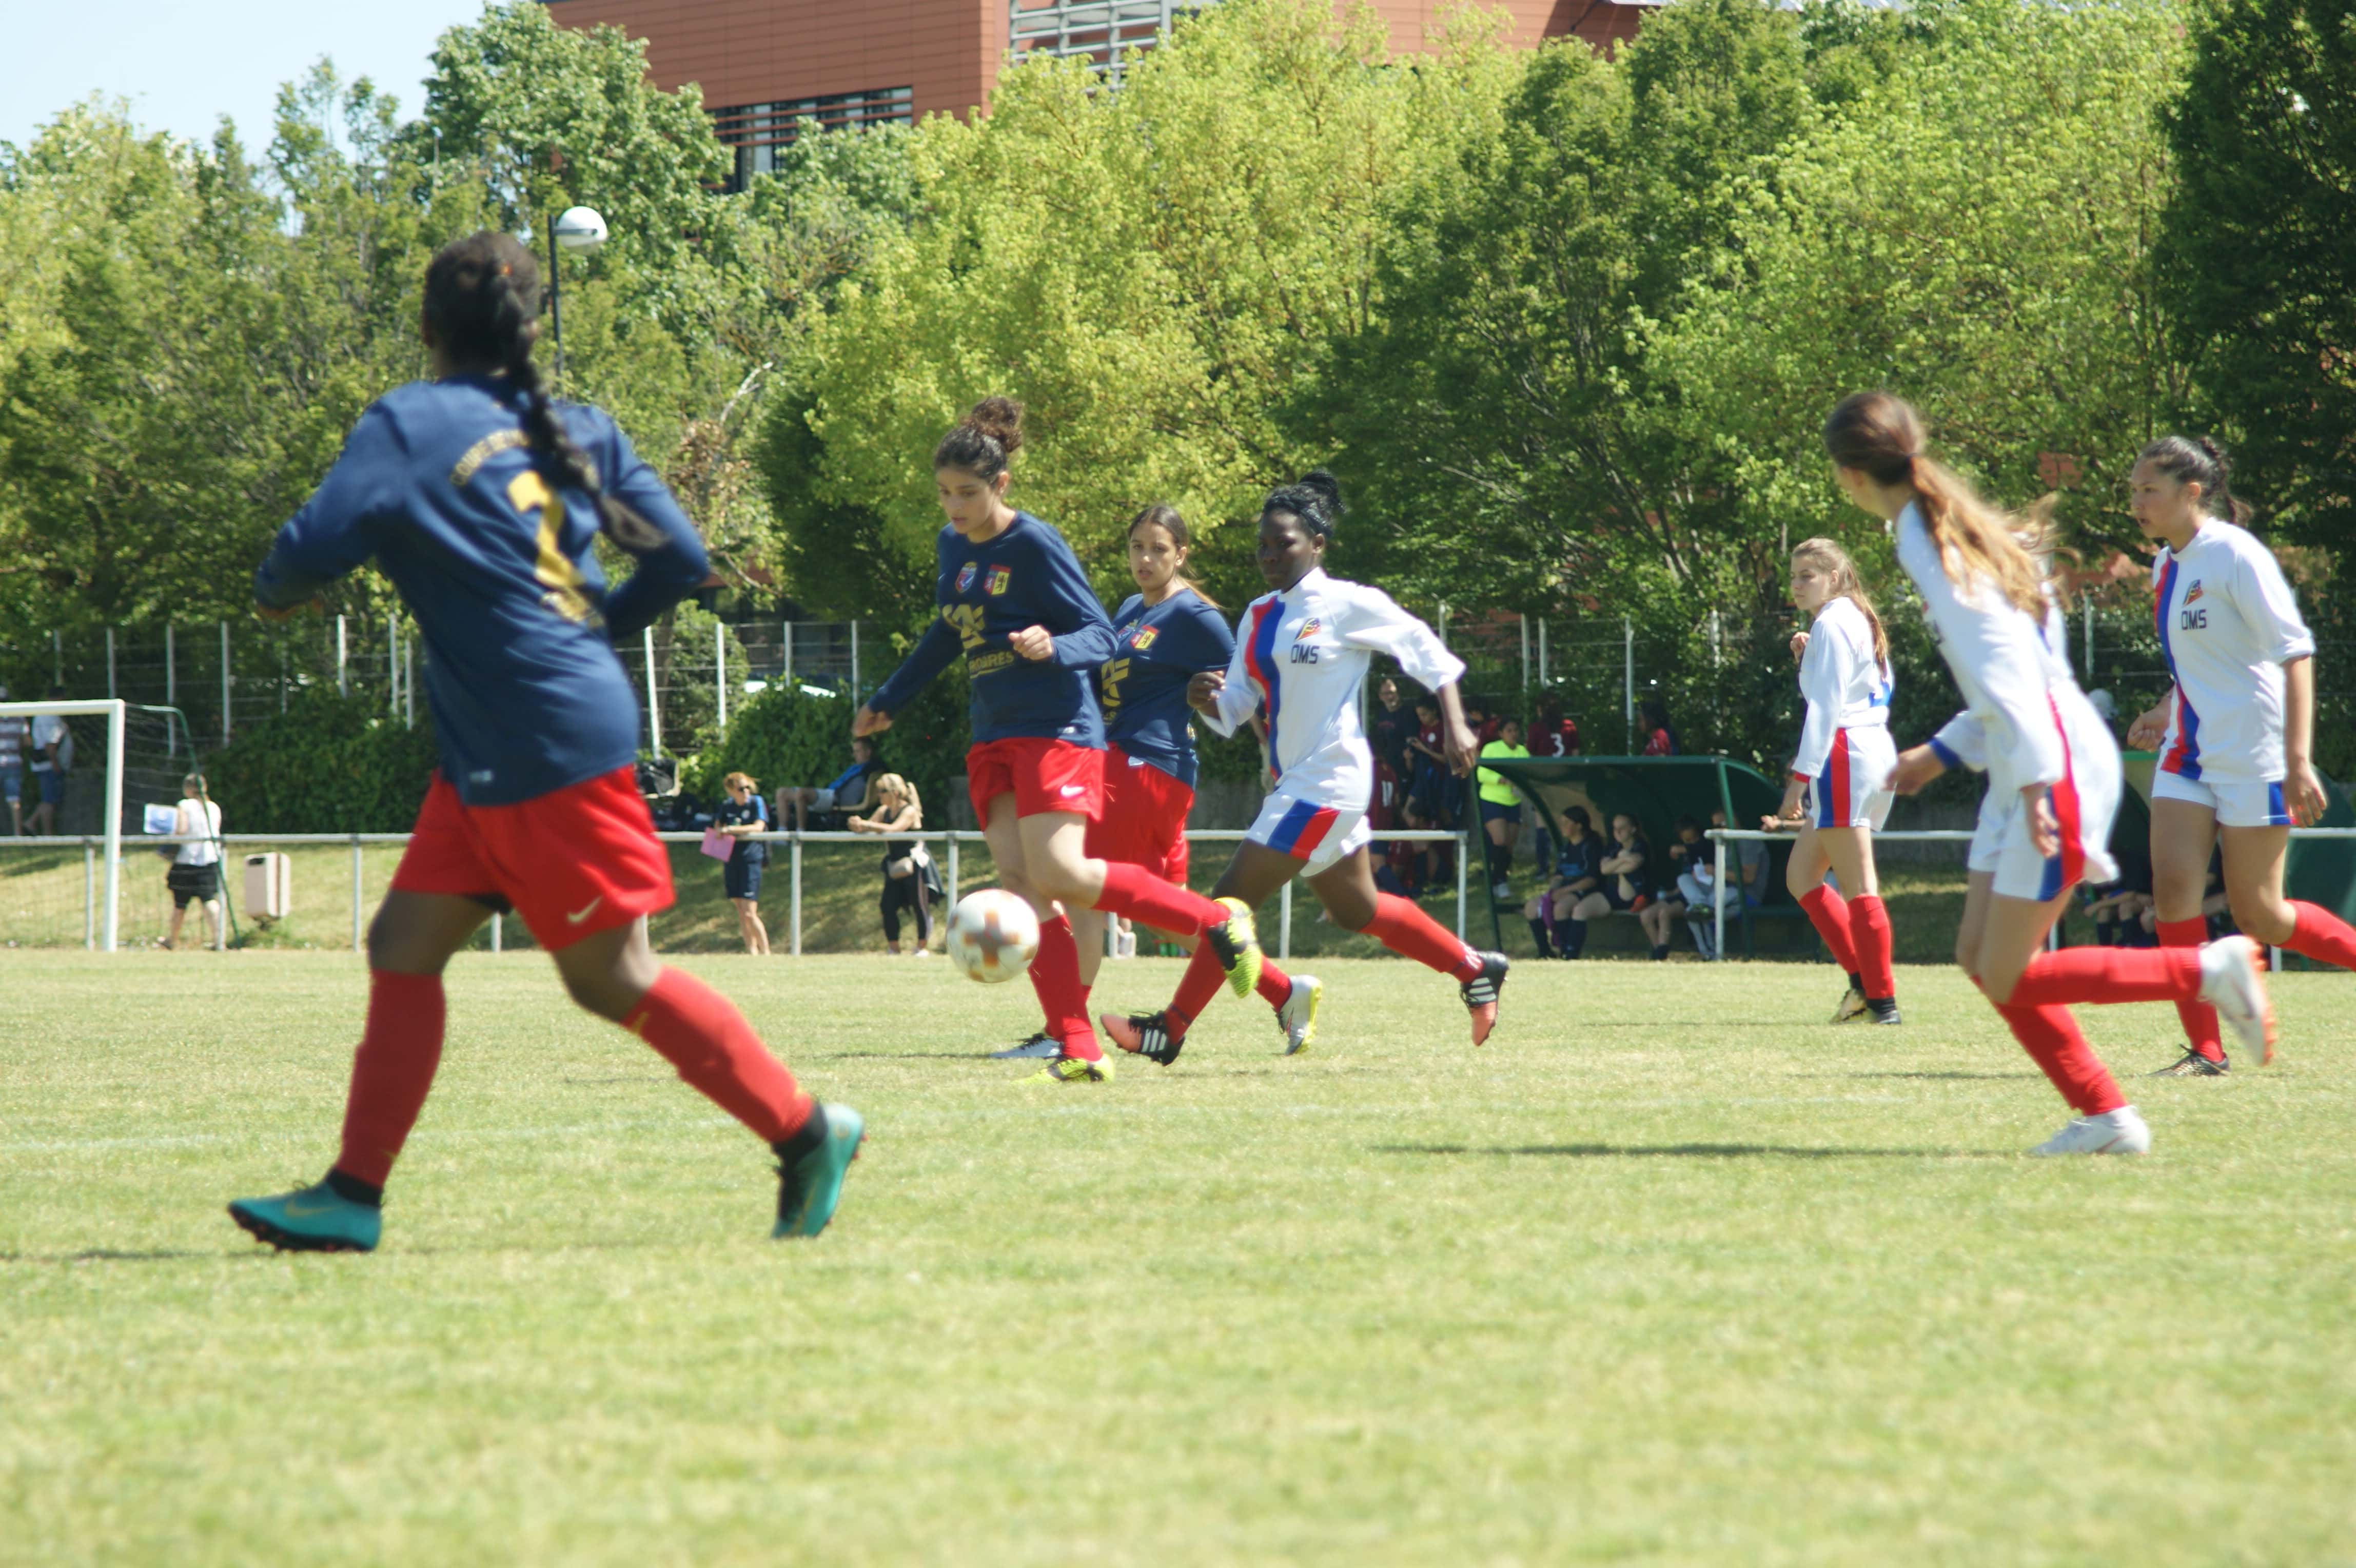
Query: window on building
1101	32
758	130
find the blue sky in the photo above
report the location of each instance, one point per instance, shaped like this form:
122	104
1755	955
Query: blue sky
184	63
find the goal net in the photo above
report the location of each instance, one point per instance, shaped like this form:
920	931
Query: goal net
94	787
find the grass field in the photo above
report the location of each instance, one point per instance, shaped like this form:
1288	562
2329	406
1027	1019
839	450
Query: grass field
1668	1272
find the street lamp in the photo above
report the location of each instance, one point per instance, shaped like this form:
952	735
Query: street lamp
575	229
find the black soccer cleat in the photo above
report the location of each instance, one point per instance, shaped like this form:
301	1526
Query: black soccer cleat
1884	1011
2192	1064
1147	1034
1481	990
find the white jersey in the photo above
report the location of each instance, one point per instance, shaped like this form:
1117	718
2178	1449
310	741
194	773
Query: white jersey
1847	687
1962	741
1302	654
204	819
2228	622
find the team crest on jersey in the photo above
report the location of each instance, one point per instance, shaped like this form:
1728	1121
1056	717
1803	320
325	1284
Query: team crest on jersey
965	575
1144	637
1308	629
2193	592
999	577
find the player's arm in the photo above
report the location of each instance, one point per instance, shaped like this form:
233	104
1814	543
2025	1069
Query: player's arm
1071	631
1369	618
933	649
333	532
1224	700
672	561
2000	646
1826	670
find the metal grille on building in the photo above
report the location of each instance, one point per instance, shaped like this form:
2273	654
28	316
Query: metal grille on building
1099	31
758	130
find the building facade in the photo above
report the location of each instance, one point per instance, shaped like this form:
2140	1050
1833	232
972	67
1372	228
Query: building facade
765	64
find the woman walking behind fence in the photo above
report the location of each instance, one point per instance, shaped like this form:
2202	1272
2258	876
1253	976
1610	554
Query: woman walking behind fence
741	816
482	499
2052	766
1839	794
910	880
196	873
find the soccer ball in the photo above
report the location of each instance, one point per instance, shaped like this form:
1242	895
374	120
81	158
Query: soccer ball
992	935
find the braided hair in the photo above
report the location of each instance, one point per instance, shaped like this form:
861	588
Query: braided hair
482	305
1315	498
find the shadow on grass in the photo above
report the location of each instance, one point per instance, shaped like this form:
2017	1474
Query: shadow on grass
1965	1076
1689	1152
109	1255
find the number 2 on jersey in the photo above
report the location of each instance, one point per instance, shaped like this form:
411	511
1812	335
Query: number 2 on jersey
528	493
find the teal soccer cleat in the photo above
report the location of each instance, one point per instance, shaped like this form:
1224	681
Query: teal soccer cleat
810	1186
316	1220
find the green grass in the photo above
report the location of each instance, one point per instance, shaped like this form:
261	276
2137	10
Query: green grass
1668	1272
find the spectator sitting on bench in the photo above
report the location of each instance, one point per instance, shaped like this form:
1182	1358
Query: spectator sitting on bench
1746	861
851	792
1577	872
1686	849
1627	885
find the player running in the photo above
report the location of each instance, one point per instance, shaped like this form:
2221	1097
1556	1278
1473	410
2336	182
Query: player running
1014	601
2051	763
1838	790
483	499
1301	654
2233	733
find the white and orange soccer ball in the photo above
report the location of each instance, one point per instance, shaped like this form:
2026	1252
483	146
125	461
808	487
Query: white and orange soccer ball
992	935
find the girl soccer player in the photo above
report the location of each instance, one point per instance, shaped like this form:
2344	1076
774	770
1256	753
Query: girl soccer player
2233	733
2052	765
1838	794
1015	602
482	500
1301	653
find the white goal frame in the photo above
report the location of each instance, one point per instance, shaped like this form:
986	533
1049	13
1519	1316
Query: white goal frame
114	709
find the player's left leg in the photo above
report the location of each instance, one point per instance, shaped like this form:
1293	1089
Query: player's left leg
1348	890
2253	891
2183	833
1828	912
1254	876
1850	850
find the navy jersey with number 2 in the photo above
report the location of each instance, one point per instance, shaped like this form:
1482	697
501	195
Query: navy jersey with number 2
1158	651
436	485
1024	578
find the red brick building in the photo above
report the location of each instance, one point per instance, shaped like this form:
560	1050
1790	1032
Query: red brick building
763	64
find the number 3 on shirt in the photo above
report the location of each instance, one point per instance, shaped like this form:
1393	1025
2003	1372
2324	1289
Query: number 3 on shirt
528	493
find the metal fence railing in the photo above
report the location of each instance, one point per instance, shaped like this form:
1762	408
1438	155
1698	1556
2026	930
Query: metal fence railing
951	840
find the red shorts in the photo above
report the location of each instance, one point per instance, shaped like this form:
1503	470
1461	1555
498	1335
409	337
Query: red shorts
1144	821
1041	773
573	863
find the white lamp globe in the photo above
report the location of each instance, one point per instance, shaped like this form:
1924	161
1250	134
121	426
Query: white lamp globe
581	228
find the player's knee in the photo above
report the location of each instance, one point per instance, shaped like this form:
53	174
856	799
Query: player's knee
2266	921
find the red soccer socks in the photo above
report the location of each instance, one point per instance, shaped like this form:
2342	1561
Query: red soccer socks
1133	891
2318	933
1830	913
2050	1038
1062	1000
1869	939
701	1033
399	1048
2108	974
1400	925
2199	1019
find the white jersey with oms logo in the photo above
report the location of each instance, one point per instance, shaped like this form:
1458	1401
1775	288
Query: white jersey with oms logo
1302	655
2228	622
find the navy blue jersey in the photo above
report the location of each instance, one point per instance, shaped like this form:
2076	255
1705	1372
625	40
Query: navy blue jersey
1026	576
1583	859
735	813
1158	652
435	485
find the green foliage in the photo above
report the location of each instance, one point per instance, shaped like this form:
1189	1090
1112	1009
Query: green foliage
326	765
786	736
2256	245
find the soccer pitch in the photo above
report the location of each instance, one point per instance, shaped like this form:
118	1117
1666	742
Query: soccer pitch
1669	1271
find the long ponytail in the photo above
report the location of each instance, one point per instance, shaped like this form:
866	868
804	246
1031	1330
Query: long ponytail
482	299
1879	434
1847	585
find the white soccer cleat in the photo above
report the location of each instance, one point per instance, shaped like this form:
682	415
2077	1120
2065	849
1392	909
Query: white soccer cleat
1298	1016
2233	981
2120	1132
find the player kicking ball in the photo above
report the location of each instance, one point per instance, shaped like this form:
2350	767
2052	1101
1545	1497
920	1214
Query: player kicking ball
482	499
1301	653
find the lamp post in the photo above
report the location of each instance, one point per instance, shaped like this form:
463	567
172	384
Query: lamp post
575	229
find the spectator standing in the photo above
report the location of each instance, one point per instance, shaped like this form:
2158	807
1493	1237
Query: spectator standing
52	759
1501	804
14	736
1653	725
195	872
910	879
742	815
851	792
1577	873
1394	725
1430	782
1553	735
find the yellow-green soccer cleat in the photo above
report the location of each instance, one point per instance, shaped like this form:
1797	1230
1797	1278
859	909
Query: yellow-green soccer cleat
1297	1019
1235	944
1072	1069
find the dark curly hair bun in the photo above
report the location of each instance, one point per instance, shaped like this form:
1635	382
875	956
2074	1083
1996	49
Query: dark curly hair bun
982	441
1315	498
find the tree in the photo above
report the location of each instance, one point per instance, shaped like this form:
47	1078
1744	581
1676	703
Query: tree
2256	250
